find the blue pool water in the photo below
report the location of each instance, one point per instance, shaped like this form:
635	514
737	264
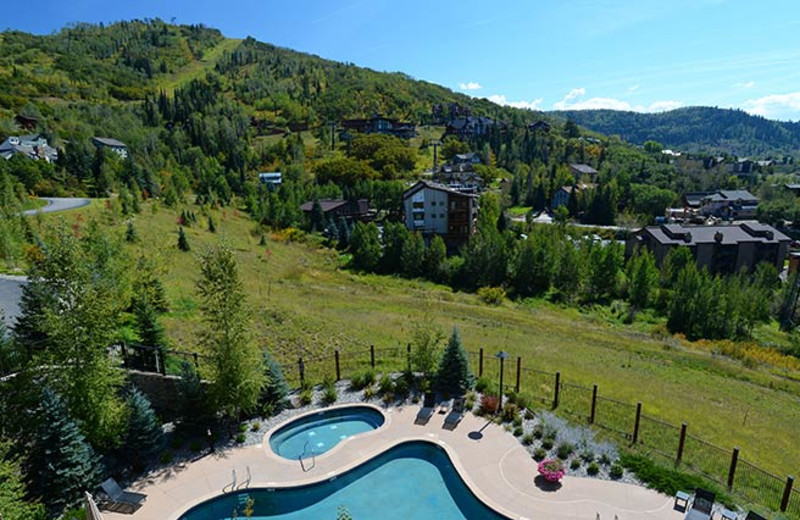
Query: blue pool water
324	430
412	481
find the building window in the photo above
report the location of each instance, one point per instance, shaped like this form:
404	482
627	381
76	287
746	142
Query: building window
441	215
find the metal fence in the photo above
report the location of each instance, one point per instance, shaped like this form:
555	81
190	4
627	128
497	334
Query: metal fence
667	442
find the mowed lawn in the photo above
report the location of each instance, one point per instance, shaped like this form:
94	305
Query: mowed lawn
305	304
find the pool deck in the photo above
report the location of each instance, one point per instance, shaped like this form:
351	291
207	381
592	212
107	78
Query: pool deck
491	461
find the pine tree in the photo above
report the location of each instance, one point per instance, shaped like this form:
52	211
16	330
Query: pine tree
131	236
317	217
183	242
13	502
63	463
211	227
145	437
275	387
453	376
193	400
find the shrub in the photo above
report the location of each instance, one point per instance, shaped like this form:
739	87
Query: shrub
517	420
388	397
489	404
518	431
362	380
241	437
593	469
552	469
401	386
564	450
492	295
509	412
605	460
255	426
386	384
243	427
166	457
369	392
329	394
667	480
482	384
547	443
587	456
575	464
538	432
539	454
306	396
453	375
415	399
527	439
529	415
616	471
195	446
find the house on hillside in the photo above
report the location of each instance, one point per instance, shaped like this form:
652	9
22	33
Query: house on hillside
470	158
334	209
468	126
722	249
381	125
583	170
435	209
562	195
729	204
118	147
271	180
540	125
32	146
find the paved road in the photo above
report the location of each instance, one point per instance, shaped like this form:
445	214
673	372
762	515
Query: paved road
10	294
58	204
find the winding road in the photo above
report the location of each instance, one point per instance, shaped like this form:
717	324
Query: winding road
58	204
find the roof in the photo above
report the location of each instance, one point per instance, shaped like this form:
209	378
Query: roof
107	141
696	198
723	195
679	235
433	186
326	204
465	156
583	168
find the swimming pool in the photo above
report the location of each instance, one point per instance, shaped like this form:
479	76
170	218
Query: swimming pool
318	433
414	480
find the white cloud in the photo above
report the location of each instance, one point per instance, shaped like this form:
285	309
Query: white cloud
745	84
573	101
501	100
472	85
633	88
776	106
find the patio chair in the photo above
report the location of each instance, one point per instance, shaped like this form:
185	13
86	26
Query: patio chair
702	505
455	415
426	412
754	516
119	499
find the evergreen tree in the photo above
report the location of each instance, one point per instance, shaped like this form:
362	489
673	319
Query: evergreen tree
275	388
183	242
195	414
317	217
131	236
149	330
235	358
343	234
413	255
13	502
29	329
211	227
453	375
145	437
642	279
435	260
63	463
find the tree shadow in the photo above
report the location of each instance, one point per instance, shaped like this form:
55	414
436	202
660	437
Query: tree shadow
545	485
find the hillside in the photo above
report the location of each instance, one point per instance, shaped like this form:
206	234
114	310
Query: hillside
697	129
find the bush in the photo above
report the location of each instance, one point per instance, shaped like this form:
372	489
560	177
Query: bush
529	415
564	450
401	386
605	460
587	456
527	439
552	469
518	431
166	457
593	469
539	454
195	446
667	480
538	432
492	295
306	396
241	437
329	393
509	412
616	471
362	380
369	392
243	427
483	384
388	397
575	464
547	443
255	426
489	404
386	384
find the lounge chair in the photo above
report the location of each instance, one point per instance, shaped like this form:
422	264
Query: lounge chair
754	516
455	415
426	412
119	499
702	505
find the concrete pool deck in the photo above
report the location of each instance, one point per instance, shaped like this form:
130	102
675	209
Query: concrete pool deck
491	461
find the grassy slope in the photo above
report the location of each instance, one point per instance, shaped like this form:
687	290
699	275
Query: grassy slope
196	68
305	305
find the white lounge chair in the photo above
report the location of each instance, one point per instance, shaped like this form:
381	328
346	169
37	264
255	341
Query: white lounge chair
119	499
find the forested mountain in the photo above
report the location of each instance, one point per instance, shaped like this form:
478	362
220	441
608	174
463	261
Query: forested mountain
697	129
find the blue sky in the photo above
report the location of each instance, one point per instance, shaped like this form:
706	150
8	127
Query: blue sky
642	55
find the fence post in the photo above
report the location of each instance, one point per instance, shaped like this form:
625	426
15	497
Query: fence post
787	491
594	404
557	390
681	444
408	357
372	356
734	462
638	421
336	357
519	369
196	363
480	363
302	369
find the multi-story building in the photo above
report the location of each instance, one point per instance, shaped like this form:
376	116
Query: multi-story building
435	209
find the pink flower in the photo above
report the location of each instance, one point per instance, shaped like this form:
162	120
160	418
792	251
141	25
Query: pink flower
552	469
